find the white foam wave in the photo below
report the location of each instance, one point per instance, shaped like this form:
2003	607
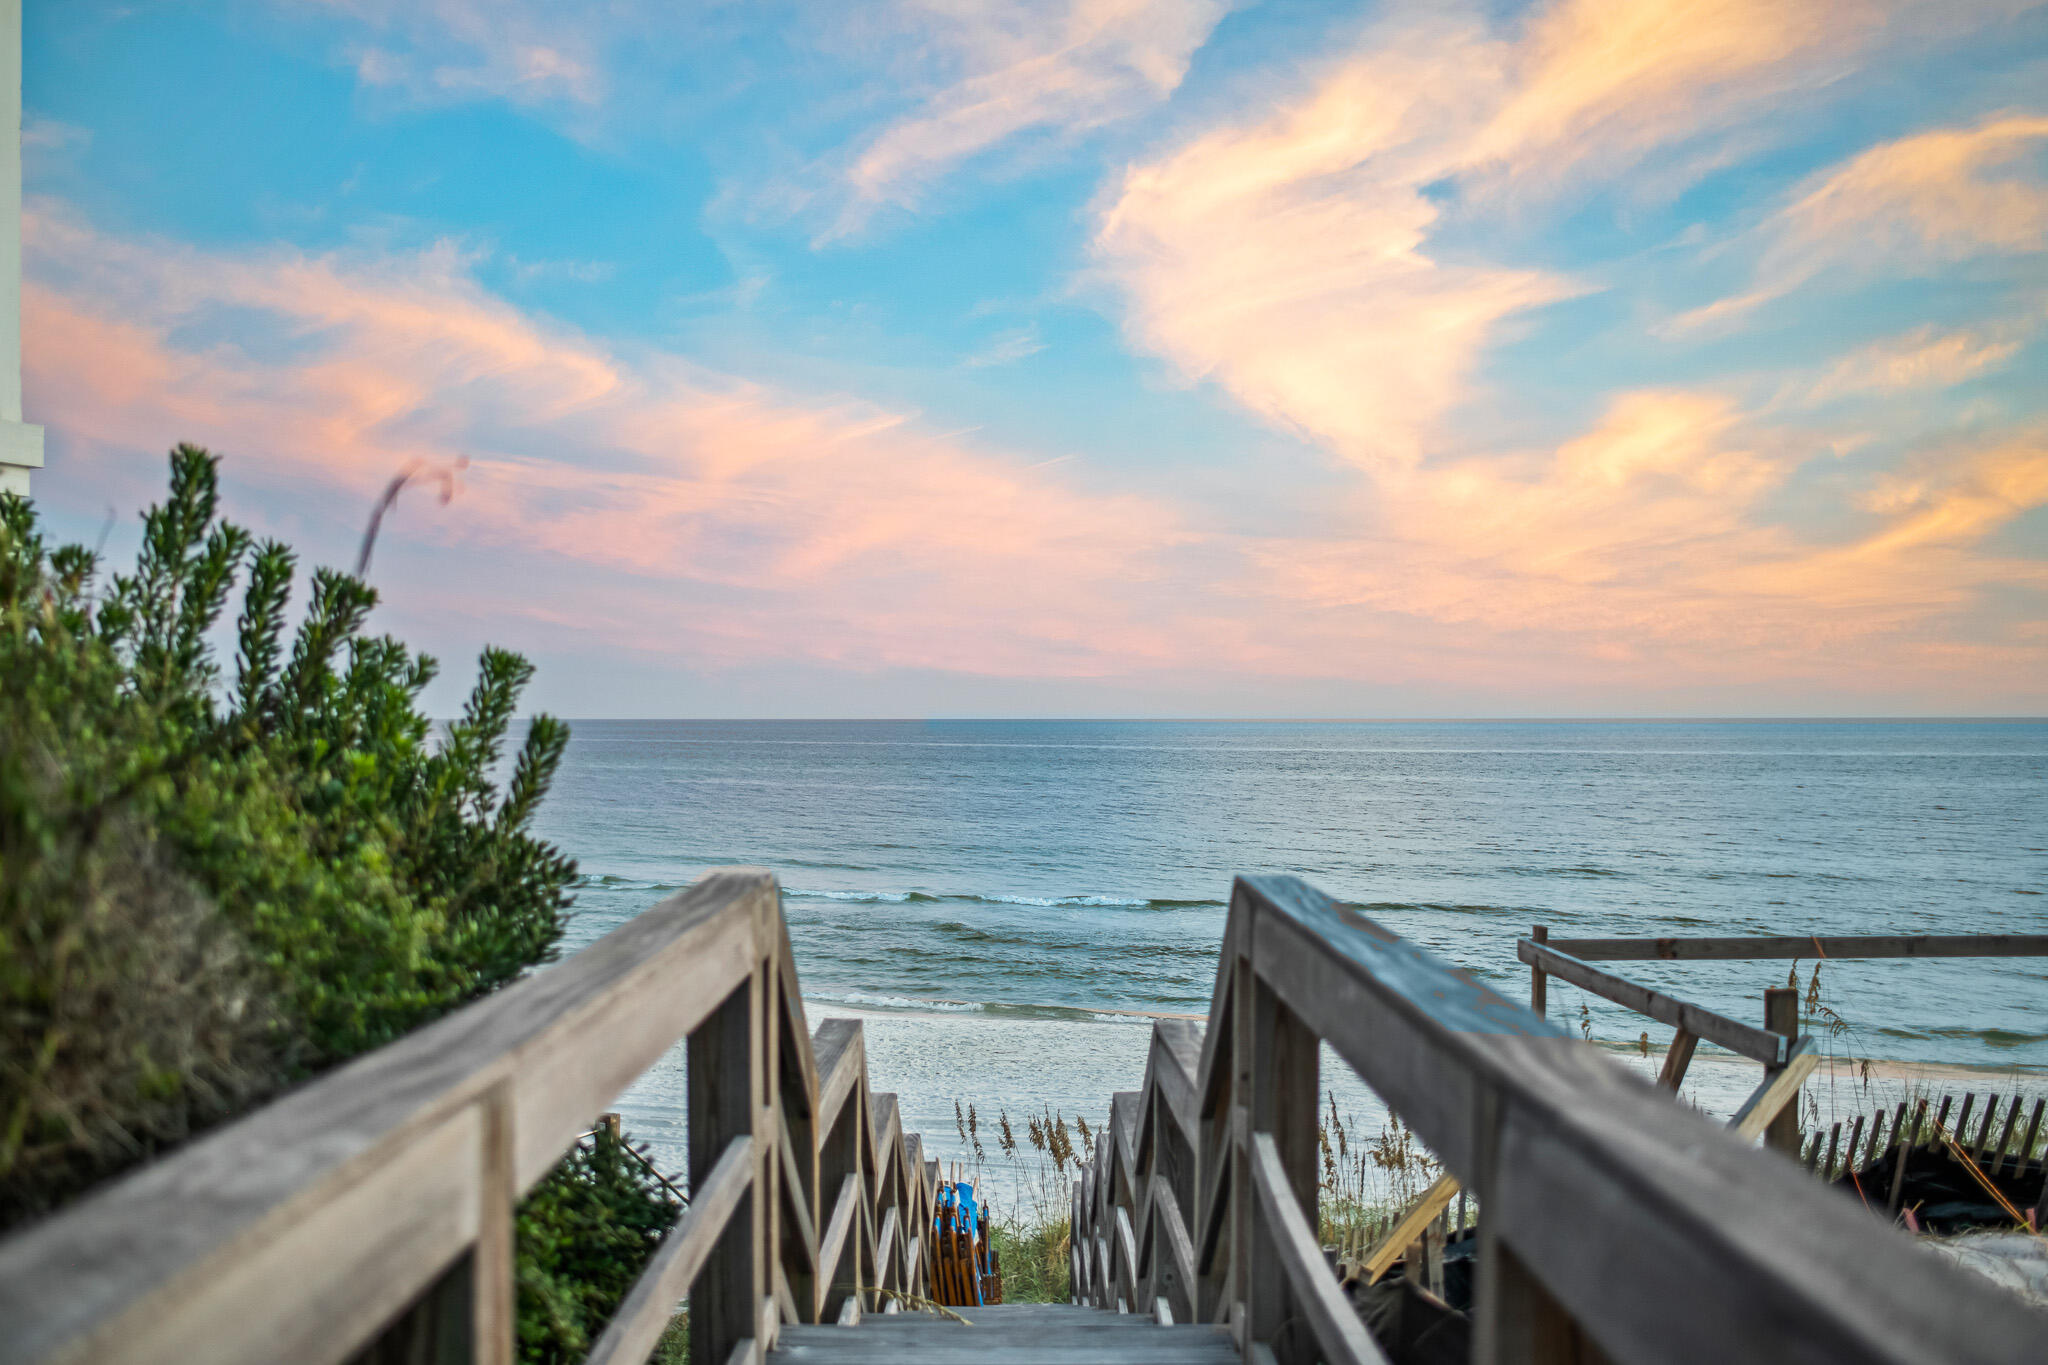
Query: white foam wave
896	1002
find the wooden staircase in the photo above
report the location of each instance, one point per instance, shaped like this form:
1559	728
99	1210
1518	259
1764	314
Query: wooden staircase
1008	1334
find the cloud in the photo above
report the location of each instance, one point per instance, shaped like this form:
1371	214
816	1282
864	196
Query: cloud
437	51
737	522
1300	260
1005	348
1019	66
1924	358
1589	81
1907	205
1285	260
1290	260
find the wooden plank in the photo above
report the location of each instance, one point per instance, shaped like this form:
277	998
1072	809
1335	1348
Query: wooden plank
885	1247
1984	1130
727	1087
1905	1143
2033	1131
834	1245
1825	946
1781	1017
2012	1117
1667	1235
1759	1045
493	1298
799	1207
1179	1247
1677	1060
1539	982
645	1312
840	1050
1330	1316
1127	1245
180	1239
1408	1227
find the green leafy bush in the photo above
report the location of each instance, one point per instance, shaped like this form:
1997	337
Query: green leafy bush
583	1236
212	886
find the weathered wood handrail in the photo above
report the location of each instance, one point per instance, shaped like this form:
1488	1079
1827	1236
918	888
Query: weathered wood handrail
1613	1224
371	1211
1774	1045
1817	947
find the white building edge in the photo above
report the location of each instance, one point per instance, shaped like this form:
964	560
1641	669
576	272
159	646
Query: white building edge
21	445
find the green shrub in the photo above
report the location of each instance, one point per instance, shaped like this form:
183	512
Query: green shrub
583	1235
213	886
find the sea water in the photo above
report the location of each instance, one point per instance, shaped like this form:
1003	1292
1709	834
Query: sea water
1005	902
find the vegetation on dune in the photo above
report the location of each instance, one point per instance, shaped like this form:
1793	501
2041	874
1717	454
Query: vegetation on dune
584	1234
213	885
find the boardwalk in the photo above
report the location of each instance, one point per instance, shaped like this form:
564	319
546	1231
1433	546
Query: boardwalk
367	1216
1011	1334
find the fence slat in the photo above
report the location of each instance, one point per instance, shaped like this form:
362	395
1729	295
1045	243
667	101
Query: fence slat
648	1306
1335	1324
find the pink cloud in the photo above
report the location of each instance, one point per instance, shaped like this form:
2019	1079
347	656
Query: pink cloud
856	536
655	506
1290	259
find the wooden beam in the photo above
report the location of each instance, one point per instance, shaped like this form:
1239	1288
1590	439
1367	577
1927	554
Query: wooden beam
1794	946
1665	1235
1759	1045
1320	1300
297	1231
1770	1099
645	1312
1781	1017
1408	1227
1677	1060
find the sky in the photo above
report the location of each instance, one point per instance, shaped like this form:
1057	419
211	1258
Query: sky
1083	357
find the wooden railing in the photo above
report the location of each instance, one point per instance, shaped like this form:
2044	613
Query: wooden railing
1777	1044
1613	1225
369	1215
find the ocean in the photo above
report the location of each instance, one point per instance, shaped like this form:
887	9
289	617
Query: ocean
1007	902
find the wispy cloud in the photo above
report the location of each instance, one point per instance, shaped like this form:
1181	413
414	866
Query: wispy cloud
754	522
1006	348
438	51
1908	205
1061	67
1923	358
1294	260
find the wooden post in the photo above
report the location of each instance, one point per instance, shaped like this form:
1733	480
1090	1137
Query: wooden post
612	1126
1984	1130
2033	1129
2012	1116
1516	1321
1907	1141
724	1089
493	1296
1781	1015
1677	1060
1283	1086
1539	983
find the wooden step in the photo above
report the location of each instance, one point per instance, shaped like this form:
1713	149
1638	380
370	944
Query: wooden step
1008	1334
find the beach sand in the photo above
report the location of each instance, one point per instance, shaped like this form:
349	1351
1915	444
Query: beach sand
1069	1067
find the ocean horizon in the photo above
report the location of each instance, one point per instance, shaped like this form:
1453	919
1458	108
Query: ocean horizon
1003	899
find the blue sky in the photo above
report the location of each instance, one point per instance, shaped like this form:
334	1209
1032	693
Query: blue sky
1086	356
